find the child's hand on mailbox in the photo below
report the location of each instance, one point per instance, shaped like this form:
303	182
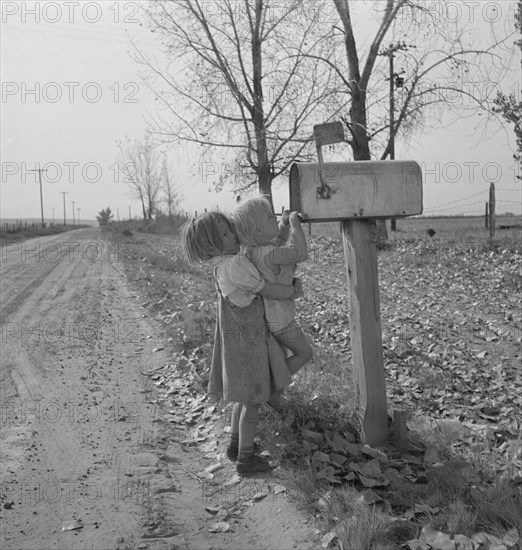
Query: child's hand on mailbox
285	218
298	288
294	219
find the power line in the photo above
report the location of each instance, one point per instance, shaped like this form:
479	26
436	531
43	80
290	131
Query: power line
444	206
453	207
465	208
460	200
96	34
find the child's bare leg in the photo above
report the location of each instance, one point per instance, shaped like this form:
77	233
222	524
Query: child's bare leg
247	430
293	338
233	446
247	462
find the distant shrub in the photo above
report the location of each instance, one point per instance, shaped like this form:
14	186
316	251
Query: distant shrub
164	225
104	217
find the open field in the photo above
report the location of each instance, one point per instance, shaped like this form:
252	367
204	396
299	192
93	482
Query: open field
451	308
449	227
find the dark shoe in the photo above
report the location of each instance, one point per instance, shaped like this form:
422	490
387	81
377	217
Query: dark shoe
233	452
255	465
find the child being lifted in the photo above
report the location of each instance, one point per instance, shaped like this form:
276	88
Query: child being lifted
275	250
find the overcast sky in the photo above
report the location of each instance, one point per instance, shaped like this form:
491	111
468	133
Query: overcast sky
70	90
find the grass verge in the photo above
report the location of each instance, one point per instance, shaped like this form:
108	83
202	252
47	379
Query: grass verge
459	474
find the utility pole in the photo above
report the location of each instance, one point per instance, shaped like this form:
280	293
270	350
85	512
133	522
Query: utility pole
72	202
391	148
40	170
392	120
392	105
64	216
130	213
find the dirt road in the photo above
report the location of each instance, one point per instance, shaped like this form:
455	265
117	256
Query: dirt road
87	461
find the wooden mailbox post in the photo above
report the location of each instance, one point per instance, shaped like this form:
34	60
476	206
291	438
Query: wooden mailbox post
356	193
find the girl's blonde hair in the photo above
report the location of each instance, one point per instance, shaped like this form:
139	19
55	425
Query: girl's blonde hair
247	216
201	238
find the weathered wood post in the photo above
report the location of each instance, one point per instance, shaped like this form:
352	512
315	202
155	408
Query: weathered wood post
486	217
356	194
360	258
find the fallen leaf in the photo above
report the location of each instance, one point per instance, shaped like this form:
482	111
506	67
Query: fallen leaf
72	525
219	527
370	482
314	437
436	539
337	458
463	543
214	467
327	539
234	480
417	544
277	489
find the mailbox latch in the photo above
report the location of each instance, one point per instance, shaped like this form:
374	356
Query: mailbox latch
324	192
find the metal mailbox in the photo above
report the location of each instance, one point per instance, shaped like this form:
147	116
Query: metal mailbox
356	190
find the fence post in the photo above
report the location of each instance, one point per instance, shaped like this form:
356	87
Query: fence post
491	211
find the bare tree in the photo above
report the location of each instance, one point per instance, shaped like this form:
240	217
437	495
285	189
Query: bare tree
249	91
443	66
141	166
170	194
438	63
509	106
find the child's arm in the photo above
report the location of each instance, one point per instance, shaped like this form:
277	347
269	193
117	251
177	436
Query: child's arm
284	230
282	292
295	252
240	273
276	292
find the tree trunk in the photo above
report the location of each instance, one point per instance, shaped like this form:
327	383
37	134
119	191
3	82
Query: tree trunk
357	117
264	175
144	211
359	141
361	147
265	181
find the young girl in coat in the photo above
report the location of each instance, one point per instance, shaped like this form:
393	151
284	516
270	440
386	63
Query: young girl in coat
248	367
275	251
